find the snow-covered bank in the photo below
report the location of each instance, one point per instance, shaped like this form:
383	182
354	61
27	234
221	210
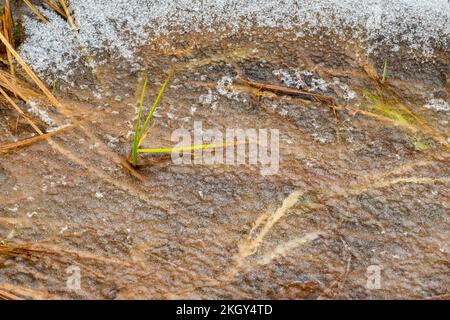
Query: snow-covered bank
120	26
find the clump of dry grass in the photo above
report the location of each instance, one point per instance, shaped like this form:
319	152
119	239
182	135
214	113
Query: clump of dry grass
9	82
9	25
12	87
18	87
30	72
60	9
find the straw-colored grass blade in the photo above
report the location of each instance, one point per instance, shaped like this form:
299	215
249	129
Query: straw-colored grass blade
5	295
16	107
55	7
7	31
20	88
69	17
11	146
31	74
385	71
36	11
19	22
9	21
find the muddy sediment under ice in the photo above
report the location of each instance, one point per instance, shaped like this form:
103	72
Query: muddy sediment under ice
363	185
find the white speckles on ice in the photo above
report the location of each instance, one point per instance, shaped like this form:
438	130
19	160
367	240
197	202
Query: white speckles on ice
31	214
438	105
348	94
208	99
99	195
304	79
14	209
11	234
112	141
290	80
222	89
33	108
63	229
57	128
121	26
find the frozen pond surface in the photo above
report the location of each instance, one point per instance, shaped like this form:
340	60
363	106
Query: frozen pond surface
361	190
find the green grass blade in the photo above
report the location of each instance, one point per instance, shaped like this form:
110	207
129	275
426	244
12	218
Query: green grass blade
385	71
155	104
138	125
170	150
189	148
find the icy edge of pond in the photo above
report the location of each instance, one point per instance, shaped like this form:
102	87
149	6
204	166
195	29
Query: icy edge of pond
121	26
